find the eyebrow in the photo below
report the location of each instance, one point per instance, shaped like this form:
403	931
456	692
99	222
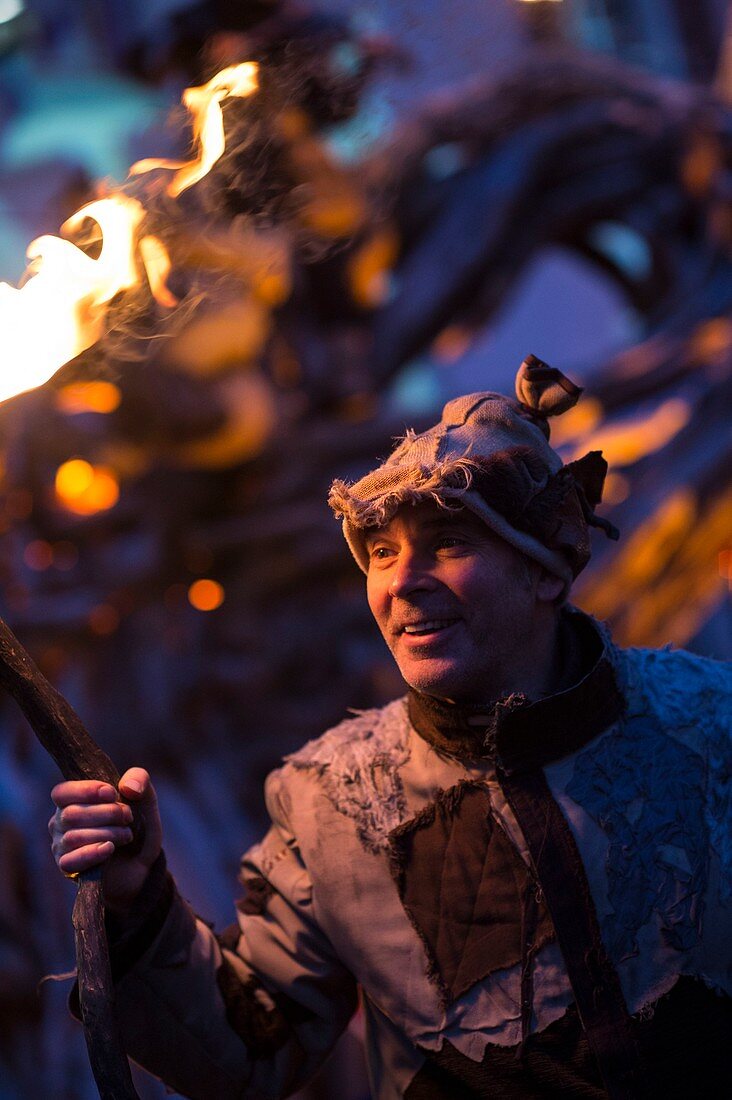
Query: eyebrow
448	520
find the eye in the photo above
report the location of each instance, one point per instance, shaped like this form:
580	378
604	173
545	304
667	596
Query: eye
380	553
449	542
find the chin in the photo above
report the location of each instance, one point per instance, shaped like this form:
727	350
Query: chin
444	683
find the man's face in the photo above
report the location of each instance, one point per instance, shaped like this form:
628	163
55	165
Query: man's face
458	606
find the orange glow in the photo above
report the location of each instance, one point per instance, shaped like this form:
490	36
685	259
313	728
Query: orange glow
251	419
74	478
86	489
222	337
712	339
655	541
576	422
81	397
369	268
38	555
206	595
357	407
725	565
333	211
625	443
451	343
272	289
204	103
616	490
701	162
666	581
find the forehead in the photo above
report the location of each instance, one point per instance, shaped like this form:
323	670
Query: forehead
426	516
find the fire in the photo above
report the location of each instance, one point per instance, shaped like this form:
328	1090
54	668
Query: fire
157	267
204	103
61	308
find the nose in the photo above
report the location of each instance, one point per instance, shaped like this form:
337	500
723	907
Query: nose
410	576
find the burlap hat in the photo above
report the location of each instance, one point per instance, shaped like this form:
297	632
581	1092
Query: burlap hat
491	454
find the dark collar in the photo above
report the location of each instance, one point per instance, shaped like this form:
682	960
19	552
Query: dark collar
519	734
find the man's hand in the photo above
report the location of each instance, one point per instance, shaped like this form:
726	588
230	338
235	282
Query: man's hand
91	826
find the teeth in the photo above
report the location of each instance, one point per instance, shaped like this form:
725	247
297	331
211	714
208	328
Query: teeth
427	627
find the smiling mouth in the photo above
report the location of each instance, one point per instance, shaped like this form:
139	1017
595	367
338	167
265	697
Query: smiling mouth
428	626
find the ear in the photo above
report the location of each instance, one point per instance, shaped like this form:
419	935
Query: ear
549	587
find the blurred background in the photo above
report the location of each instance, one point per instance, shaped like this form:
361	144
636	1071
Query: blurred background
418	195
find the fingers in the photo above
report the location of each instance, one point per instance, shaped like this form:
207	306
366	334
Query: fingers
83	859
81	838
92	820
80	849
82	790
84	830
87	817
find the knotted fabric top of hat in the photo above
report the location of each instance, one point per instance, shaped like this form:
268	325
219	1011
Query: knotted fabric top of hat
491	454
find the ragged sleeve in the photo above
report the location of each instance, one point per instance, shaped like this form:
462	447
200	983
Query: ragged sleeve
253	1011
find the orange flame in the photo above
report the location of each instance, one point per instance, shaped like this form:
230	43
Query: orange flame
204	103
61	308
157	267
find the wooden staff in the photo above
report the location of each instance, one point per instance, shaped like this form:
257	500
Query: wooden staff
61	732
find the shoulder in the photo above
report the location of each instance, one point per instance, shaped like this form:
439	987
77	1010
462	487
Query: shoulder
367	735
676	681
355	766
680	693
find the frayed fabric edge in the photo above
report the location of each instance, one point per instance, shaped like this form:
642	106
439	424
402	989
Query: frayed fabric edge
444	483
646	1006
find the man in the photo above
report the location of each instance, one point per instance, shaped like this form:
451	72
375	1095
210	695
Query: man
524	864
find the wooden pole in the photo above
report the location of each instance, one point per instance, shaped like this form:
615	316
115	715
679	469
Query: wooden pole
62	733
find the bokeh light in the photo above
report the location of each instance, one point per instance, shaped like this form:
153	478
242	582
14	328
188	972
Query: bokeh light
86	489
206	594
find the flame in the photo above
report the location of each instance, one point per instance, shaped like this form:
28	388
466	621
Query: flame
204	103
157	268
61	308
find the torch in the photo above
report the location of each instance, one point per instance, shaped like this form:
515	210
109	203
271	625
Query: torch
72	292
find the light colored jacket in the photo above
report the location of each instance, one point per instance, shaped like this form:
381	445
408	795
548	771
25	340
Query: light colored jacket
648	804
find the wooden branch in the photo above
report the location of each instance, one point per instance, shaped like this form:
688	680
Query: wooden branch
61	732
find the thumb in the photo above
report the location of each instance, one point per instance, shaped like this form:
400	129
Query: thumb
136	787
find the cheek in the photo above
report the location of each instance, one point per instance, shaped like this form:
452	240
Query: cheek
378	599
